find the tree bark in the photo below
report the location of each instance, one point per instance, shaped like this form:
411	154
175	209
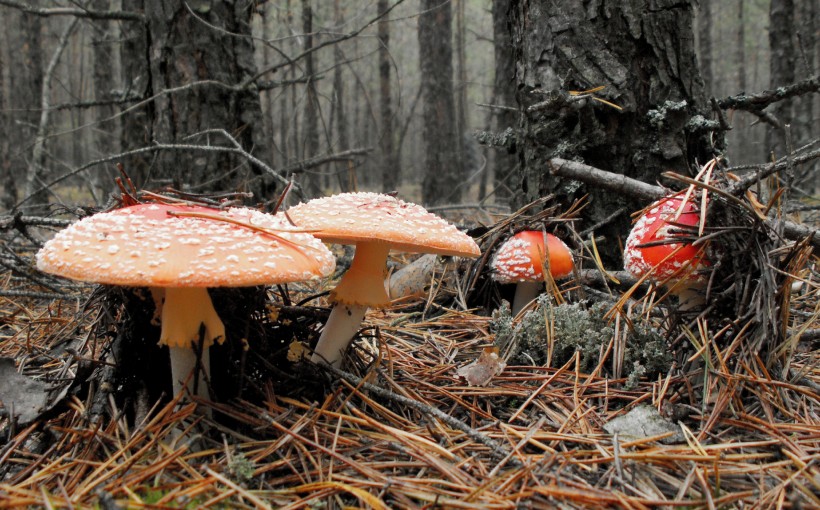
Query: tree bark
106	137
313	183
704	21
8	186
506	119
184	44
781	71
26	91
391	171
340	113
643	53
442	175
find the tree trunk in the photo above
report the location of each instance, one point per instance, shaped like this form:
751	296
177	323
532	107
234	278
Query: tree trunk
178	50
26	91
465	161
643	54
704	19
313	183
741	48
340	114
8	186
506	119
106	138
442	176
783	53
805	127
389	161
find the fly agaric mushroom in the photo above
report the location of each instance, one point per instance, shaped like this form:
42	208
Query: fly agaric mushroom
652	252
376	224
179	251
521	258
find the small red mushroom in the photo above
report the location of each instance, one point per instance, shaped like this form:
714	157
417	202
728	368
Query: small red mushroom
521	258
652	251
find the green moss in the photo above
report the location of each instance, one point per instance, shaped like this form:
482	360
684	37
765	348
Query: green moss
575	328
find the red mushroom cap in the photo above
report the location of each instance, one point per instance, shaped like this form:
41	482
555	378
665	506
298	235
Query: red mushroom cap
521	258
657	225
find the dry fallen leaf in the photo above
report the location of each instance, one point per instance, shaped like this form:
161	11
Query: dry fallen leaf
480	371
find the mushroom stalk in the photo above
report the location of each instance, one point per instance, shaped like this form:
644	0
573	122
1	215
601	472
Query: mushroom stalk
361	287
185	312
341	326
524	293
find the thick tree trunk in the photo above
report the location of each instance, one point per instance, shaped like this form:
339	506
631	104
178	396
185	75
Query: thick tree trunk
391	175
506	119
442	175
643	53
178	50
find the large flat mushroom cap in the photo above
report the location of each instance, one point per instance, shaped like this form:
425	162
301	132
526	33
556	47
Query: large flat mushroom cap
146	245
349	218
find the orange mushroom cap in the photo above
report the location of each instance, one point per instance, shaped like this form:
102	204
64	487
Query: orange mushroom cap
349	218
657	225
146	245
521	258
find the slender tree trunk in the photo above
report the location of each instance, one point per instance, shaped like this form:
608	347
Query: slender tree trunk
442	175
460	90
183	50
506	119
704	19
782	72
8	186
314	184
106	138
741	48
806	116
137	125
340	114
389	161
26	90
643	54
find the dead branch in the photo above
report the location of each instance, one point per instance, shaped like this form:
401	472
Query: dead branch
622	184
77	12
760	100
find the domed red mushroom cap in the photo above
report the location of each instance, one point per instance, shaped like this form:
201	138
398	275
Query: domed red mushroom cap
650	247
521	258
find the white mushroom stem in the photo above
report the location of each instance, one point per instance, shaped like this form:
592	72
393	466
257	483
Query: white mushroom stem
341	326
361	287
186	311
524	293
691	296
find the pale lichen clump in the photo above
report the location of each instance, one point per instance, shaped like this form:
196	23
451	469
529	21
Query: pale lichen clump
576	328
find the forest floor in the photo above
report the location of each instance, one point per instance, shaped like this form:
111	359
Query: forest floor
425	414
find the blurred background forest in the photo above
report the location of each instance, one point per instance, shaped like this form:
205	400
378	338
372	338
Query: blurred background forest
340	102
